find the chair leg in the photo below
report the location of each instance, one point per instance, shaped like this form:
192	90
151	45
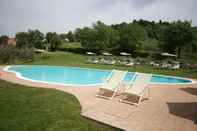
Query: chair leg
145	92
139	100
114	94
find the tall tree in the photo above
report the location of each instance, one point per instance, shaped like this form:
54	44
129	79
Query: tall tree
54	40
23	40
87	37
36	38
63	37
193	45
131	37
177	35
70	36
105	35
4	40
99	37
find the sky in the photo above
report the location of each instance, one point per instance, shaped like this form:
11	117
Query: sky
64	15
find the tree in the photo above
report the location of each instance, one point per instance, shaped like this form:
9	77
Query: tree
23	40
63	37
105	35
177	35
127	43
131	37
70	36
138	35
99	37
32	38
87	37
193	45
54	40
36	38
4	40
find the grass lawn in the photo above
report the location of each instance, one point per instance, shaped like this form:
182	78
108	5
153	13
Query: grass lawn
70	45
70	59
25	108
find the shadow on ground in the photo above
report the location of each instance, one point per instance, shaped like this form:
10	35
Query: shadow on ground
185	110
190	90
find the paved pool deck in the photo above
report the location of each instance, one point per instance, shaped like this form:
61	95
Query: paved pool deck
170	108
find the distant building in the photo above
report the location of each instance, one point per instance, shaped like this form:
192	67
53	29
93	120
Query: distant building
12	41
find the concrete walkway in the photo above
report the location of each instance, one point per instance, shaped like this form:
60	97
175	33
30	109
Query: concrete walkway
170	108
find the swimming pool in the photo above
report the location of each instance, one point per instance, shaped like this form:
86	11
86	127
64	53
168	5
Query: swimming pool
79	76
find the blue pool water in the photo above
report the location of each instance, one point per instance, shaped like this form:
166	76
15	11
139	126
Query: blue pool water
80	76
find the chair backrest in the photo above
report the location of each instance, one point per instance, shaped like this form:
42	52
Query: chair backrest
141	82
129	83
115	79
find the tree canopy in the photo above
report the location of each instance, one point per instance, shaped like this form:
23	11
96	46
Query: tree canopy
23	40
54	40
99	37
30	39
3	40
177	35
159	36
36	38
139	35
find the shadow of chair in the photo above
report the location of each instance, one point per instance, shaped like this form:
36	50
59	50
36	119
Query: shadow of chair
185	110
190	90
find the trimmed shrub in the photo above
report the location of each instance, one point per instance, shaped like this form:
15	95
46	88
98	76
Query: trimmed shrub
157	56
11	55
79	50
142	54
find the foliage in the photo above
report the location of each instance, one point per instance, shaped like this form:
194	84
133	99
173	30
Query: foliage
54	40
138	35
70	45
30	39
141	54
105	35
141	35
150	45
99	37
23	40
36	38
87	38
131	37
63	37
193	46
70	36
3	40
178	35
127	42
14	55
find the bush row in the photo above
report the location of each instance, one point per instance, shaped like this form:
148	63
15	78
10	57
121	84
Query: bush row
116	52
10	55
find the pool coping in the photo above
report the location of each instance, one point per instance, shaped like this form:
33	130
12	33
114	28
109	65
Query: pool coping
19	75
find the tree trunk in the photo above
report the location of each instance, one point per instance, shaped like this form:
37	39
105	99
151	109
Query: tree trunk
179	52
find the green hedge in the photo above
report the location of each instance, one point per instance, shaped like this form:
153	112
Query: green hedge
10	55
141	54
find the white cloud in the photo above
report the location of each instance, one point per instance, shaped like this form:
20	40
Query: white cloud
62	15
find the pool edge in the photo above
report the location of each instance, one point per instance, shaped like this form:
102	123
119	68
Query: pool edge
19	75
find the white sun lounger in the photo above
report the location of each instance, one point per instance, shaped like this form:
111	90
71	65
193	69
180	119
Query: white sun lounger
128	84
112	85
138	88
